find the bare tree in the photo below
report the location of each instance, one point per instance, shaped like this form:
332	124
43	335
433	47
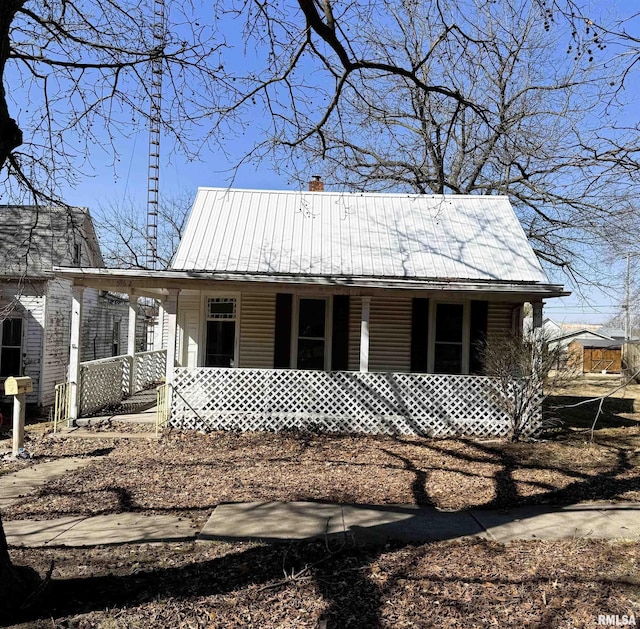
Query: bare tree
74	81
524	371
122	231
535	121
324	72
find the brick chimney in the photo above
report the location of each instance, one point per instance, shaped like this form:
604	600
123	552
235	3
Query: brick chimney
316	184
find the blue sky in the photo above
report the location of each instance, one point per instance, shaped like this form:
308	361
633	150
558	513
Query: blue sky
107	185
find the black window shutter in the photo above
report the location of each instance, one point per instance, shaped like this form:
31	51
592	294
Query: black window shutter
478	336
282	349
340	337
419	334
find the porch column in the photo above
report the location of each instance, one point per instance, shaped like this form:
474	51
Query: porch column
131	342
171	307
537	314
74	353
159	328
364	334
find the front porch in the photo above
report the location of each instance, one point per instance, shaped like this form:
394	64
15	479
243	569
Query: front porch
232	357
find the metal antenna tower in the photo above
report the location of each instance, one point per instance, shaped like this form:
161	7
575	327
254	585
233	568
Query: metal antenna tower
154	134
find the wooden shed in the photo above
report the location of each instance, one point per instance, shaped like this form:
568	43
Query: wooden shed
595	355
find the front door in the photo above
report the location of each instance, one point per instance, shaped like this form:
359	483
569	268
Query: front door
190	323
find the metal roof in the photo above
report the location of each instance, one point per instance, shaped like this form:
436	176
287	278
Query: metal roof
34	239
605	343
330	234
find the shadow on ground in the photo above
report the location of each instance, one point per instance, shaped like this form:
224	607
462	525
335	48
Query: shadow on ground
338	569
579	412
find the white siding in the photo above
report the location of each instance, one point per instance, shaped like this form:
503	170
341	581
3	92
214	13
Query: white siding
29	305
257	330
57	333
99	313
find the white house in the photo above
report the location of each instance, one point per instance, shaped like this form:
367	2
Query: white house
35	306
338	310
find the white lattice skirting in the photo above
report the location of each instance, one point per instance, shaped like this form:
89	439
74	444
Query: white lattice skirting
341	401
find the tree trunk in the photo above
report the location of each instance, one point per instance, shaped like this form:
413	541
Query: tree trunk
18	584
10	133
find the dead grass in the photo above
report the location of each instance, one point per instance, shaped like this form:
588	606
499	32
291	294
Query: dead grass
466	584
191	472
469	584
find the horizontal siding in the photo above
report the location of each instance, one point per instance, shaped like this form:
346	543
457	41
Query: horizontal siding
99	315
257	330
57	335
390	334
499	319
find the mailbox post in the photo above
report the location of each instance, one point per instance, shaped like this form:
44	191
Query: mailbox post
18	387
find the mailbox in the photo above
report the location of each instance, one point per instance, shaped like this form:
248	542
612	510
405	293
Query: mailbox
16	386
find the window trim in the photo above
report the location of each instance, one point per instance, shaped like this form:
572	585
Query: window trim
466	333
204	318
328	328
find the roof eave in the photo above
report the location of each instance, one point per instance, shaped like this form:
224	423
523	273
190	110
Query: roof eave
141	278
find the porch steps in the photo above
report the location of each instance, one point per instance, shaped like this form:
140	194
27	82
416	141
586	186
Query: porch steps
137	403
111	427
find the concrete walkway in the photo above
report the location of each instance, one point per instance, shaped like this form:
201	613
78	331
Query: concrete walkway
277	522
274	521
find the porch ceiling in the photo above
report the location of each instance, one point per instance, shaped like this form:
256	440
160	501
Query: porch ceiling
157	284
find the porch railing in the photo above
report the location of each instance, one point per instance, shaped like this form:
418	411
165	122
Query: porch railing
105	382
162	407
61	405
149	368
379	403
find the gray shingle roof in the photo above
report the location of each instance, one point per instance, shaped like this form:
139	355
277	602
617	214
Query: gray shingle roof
34	239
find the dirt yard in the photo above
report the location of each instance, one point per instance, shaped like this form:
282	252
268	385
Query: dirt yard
466	584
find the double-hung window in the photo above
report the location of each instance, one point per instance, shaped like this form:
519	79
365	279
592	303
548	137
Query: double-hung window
10	348
450	338
311	340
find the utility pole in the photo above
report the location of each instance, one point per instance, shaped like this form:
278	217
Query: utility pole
627	305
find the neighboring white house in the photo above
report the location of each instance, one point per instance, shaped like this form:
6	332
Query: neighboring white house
35	306
339	311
